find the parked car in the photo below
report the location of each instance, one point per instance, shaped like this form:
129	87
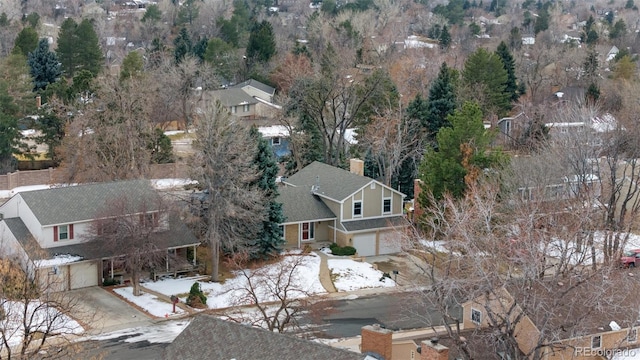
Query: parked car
631	258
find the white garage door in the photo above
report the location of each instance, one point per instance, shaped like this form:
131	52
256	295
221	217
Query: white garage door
365	244
390	243
84	274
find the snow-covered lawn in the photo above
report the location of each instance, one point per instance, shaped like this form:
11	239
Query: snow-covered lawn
222	295
349	275
39	318
150	303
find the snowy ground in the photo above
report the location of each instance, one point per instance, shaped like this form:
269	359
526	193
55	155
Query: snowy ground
349	275
631	354
227	294
150	303
39	317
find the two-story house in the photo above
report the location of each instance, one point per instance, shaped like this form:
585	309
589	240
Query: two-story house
323	203
248	100
49	231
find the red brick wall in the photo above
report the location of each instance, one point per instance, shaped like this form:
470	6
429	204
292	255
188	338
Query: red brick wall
431	351
376	340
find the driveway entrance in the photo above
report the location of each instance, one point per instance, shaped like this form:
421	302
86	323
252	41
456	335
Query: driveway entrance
102	311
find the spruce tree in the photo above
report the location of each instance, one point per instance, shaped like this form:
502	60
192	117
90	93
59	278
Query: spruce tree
262	43
445	37
182	45
9	132
43	66
509	65
441	102
269	241
78	48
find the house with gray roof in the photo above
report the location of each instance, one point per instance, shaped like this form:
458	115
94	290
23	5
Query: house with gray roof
49	231
324	204
248	100
208	337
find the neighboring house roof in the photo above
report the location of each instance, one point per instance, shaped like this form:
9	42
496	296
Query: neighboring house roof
372	224
329	181
228	340
299	204
256	84
274	131
233	97
82	202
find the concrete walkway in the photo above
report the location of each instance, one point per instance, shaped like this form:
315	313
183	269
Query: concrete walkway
167	299
325	274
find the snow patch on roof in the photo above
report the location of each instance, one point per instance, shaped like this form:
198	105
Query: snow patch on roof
57	260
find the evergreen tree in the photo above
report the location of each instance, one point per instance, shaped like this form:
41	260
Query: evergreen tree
160	146
182	45
78	48
4	20
44	66
26	41
52	129
618	30
152	15
270	238
542	21
440	104
132	65
9	132
629	4
515	38
591	65
483	71
200	49
461	157
262	43
509	65
593	93
445	37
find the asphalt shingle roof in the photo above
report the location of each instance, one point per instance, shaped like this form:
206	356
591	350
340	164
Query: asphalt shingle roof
377	223
24	237
208	337
233	96
334	183
82	202
299	204
256	84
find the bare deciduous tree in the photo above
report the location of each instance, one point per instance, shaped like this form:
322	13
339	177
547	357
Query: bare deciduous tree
274	289
223	165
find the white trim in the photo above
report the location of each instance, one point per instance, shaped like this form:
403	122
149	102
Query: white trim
311	231
302	221
369	184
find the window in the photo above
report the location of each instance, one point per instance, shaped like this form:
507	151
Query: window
275	141
632	336
245	108
596	342
357	208
234	109
63	232
476	316
281	230
149	219
386	206
308	231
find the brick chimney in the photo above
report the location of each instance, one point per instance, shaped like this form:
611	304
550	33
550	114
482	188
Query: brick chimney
376	339
433	350
356	166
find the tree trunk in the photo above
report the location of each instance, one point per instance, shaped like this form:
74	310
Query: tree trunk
215	259
135	280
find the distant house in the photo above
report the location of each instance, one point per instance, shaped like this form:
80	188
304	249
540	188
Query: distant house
46	231
323	203
278	138
612	53
248	100
208	337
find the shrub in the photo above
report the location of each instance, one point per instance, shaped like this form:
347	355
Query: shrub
196	298
111	282
342	250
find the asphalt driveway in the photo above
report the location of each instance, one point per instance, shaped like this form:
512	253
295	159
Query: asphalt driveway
101	311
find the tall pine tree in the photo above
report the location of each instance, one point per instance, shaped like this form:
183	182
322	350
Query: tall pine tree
183	45
509	64
78	48
441	102
44	66
262	42
269	241
486	77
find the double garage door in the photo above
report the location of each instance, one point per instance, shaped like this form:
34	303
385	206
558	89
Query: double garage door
365	244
